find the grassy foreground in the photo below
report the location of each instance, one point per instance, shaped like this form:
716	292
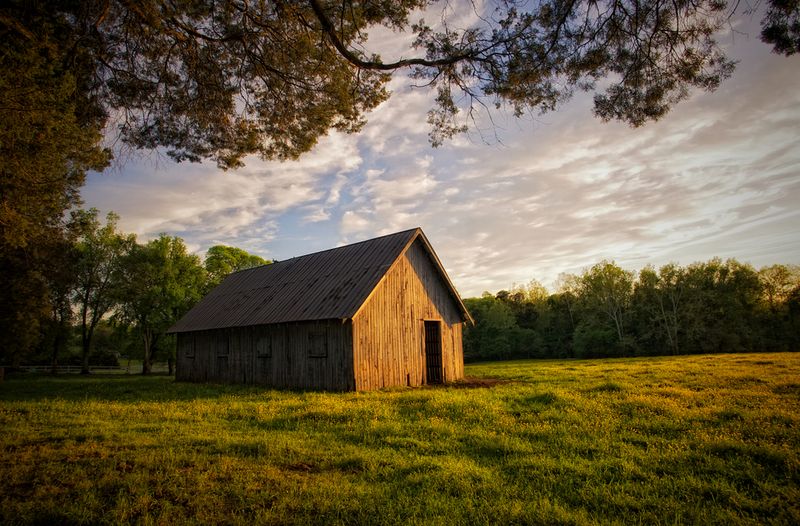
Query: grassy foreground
685	440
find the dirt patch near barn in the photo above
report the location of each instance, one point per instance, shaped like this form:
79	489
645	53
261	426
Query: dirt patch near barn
475	382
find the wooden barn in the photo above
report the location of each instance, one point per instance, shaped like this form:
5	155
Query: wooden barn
373	314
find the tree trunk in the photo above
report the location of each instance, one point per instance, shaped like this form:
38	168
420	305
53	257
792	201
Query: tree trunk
85	355
57	343
668	326
87	344
616	316
146	365
16	361
571	319
148	349
85	336
675	324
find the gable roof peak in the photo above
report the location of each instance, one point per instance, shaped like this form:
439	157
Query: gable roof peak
329	284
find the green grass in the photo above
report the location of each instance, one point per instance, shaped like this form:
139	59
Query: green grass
686	440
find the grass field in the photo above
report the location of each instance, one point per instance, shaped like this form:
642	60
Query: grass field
683	440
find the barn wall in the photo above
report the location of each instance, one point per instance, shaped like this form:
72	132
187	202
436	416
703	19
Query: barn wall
388	331
307	355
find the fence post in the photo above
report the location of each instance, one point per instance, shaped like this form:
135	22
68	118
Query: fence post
2	373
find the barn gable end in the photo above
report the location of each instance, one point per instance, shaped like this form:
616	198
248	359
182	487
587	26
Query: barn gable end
388	330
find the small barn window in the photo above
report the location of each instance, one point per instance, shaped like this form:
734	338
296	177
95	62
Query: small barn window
223	345
188	346
317	344
264	346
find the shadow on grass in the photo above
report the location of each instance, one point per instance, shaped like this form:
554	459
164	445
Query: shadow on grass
134	388
159	387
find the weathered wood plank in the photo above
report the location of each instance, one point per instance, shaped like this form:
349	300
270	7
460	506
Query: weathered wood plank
283	359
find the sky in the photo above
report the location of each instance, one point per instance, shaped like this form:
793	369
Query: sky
529	198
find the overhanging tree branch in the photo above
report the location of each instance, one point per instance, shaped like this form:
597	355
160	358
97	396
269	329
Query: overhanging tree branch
227	79
330	32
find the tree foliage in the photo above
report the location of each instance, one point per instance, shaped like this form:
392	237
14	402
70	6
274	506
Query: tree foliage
781	26
496	334
25	302
49	138
99	250
221	80
707	307
104	294
160	281
221	260
607	290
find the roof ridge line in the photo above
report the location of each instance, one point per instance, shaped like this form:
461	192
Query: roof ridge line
326	250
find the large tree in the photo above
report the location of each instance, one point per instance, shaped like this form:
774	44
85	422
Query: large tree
220	80
25	299
778	282
160	282
49	127
49	138
607	289
62	279
659	306
100	250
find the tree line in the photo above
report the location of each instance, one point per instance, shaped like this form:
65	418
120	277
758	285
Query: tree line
606	311
104	293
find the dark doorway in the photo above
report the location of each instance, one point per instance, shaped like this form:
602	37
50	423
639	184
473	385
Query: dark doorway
433	352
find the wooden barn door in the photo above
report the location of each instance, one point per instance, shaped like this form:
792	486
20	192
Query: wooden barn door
433	352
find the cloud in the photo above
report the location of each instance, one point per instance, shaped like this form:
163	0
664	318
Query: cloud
209	206
352	223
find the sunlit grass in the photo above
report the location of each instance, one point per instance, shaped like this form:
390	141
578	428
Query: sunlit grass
697	440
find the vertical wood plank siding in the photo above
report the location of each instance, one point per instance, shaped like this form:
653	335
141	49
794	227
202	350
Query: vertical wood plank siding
279	355
389	330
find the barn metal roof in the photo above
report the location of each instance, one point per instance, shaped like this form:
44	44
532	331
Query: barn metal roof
331	284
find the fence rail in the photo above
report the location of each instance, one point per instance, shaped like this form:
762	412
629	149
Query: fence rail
69	368
74	369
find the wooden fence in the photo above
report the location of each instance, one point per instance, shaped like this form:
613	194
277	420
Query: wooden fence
106	369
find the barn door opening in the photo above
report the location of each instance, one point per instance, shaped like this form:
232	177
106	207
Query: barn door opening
433	352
